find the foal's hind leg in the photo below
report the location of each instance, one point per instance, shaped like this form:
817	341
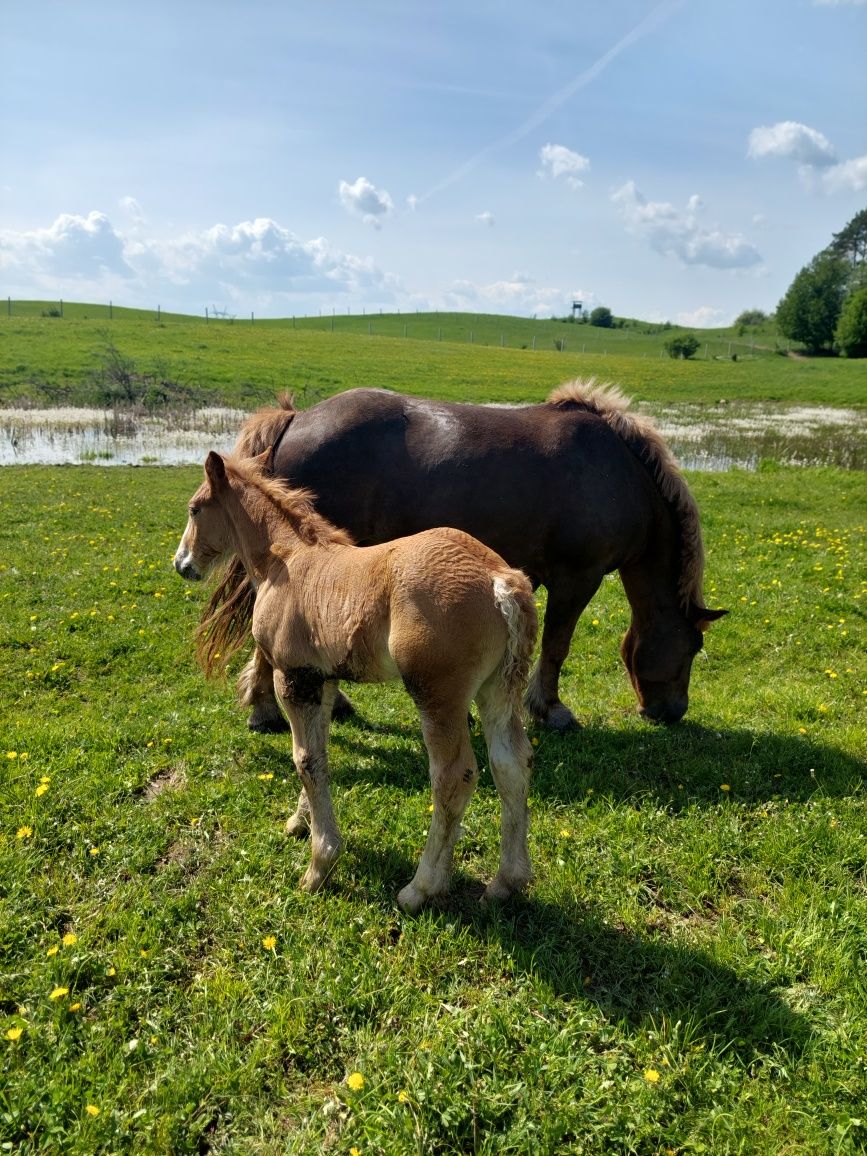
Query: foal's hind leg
453	773
510	755
310	721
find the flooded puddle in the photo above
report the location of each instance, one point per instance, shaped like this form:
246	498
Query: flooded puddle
702	437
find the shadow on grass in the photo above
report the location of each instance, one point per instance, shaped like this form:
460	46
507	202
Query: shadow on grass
667	766
631	978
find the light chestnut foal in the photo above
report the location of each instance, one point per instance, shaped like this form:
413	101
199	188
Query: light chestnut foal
438	609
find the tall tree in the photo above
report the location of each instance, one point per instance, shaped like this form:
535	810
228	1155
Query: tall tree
811	308
851	332
850	245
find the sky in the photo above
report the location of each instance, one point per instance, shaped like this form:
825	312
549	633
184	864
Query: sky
672	160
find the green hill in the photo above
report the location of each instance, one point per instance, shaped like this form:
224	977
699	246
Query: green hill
86	354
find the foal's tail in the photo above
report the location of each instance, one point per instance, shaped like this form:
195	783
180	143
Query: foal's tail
513	595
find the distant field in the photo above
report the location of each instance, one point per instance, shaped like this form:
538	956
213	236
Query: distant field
85	358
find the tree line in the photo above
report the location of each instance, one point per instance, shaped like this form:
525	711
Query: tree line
825	307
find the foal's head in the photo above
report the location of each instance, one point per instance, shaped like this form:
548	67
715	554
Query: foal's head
207	539
659	659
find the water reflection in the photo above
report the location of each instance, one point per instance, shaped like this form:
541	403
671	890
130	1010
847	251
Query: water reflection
702	437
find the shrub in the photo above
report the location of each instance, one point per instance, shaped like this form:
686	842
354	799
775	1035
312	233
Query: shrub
684	346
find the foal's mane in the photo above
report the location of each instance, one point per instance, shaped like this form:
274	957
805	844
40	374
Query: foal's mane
297	505
265	427
645	441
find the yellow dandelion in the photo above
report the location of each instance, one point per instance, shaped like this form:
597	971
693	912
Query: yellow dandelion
266	777
75	1007
23	832
69	939
41	789
59	993
94	851
14	1033
355	1081
11	754
403	1097
269	942
111	971
652	1076
353	1151
724	787
53	950
565	833
92	1110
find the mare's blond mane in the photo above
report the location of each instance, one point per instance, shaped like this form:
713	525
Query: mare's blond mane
642	437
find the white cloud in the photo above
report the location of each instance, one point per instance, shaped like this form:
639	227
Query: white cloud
485	218
704	317
795	141
133	210
251	264
676	233
519	294
73	248
847	177
813	152
365	201
558	161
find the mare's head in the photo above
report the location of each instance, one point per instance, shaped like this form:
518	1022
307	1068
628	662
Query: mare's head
207	539
658	657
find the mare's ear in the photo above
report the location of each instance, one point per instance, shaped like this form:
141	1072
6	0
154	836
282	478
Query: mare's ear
266	460
215	470
703	616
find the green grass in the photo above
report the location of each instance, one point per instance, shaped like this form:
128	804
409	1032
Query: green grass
687	974
178	360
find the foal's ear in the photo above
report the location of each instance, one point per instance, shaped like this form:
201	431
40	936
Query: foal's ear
266	460
703	616
215	470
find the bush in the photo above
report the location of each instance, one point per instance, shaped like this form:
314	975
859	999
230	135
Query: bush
602	317
684	346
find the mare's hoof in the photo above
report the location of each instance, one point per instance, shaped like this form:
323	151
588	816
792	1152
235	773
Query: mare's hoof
268	725
561	719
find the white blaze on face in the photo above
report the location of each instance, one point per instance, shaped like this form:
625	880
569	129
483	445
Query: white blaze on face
183	560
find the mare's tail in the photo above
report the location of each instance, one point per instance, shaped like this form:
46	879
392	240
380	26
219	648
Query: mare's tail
513	595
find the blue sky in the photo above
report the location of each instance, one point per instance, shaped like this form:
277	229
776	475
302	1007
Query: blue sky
675	160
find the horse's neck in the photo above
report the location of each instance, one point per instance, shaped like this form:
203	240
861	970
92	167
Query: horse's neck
651	580
259	525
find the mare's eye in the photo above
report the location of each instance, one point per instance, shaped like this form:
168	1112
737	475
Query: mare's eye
194	511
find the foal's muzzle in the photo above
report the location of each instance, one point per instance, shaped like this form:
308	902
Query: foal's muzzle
187	568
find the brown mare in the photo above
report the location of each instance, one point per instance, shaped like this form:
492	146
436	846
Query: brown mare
439	610
567	491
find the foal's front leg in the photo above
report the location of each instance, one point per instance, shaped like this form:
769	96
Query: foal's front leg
309	720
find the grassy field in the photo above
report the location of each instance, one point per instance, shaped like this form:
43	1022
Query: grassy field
82	358
687	973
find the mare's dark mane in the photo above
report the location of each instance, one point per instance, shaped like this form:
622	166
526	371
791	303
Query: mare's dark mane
644	440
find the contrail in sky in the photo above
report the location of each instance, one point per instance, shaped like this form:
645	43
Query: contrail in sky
653	19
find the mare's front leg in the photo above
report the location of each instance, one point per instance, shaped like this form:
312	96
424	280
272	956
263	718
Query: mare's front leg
256	689
568	594
454	774
308	704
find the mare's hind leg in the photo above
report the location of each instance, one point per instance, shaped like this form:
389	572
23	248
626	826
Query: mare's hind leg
453	774
568	594
256	689
510	755
310	720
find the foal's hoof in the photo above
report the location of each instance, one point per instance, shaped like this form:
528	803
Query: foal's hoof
410	899
343	708
297	826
